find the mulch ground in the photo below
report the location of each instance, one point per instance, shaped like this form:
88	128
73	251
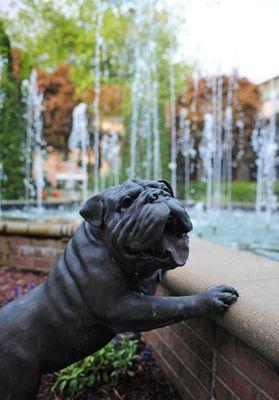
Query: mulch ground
149	384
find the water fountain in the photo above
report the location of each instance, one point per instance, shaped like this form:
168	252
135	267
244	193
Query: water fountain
265	143
145	135
186	143
211	147
206	150
110	150
97	91
173	164
228	146
215	146
156	133
196	89
34	140
79	138
29	142
217	102
114	158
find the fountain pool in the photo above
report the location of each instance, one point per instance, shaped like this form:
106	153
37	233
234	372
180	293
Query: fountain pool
61	213
244	230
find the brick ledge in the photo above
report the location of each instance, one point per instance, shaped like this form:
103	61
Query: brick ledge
254	319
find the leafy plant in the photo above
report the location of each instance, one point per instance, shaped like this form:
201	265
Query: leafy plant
12	123
116	360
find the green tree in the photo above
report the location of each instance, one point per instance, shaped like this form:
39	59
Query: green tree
12	123
64	31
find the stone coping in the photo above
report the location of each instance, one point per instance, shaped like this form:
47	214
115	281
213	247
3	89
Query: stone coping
38	229
254	318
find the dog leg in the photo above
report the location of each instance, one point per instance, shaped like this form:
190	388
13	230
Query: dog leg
136	312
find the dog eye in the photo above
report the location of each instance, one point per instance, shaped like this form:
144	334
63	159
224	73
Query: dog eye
126	202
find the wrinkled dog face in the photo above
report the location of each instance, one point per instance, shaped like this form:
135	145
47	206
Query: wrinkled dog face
144	226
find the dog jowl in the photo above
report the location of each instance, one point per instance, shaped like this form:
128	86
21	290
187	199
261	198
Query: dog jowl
103	284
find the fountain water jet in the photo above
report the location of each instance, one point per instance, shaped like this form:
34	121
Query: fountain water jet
227	145
110	149
79	138
34	134
173	163
145	135
188	151
206	150
156	133
265	143
97	90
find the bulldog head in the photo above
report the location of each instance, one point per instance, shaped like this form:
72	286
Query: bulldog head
143	225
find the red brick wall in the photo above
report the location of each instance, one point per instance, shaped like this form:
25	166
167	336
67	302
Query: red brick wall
206	362
29	252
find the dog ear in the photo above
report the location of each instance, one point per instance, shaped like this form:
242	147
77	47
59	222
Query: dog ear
92	210
168	185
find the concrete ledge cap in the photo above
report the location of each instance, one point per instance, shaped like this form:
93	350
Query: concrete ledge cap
254	318
35	229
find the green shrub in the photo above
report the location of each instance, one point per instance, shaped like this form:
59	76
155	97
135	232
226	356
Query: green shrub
242	192
197	191
116	360
12	124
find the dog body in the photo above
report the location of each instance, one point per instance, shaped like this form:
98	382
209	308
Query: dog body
103	284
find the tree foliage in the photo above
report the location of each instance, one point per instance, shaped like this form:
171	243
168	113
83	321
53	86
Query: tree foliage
59	101
63	32
245	106
12	123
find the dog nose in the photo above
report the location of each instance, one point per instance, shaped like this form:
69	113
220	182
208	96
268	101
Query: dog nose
156	194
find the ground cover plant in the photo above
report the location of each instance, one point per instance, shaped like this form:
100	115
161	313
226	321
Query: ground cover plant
118	359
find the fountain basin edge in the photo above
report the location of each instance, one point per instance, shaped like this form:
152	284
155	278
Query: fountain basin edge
254	318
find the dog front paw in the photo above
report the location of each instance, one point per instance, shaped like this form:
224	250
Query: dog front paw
217	299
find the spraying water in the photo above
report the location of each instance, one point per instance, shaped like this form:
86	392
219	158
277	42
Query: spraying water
156	132
34	134
211	147
110	148
79	138
173	164
97	90
115	160
206	151
217	157
196	89
145	135
186	143
29	143
227	146
265	144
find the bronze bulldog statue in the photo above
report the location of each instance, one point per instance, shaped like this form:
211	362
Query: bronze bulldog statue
103	284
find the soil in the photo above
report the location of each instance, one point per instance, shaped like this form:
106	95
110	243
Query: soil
150	383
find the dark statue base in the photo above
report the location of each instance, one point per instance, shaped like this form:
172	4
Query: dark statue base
103	284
